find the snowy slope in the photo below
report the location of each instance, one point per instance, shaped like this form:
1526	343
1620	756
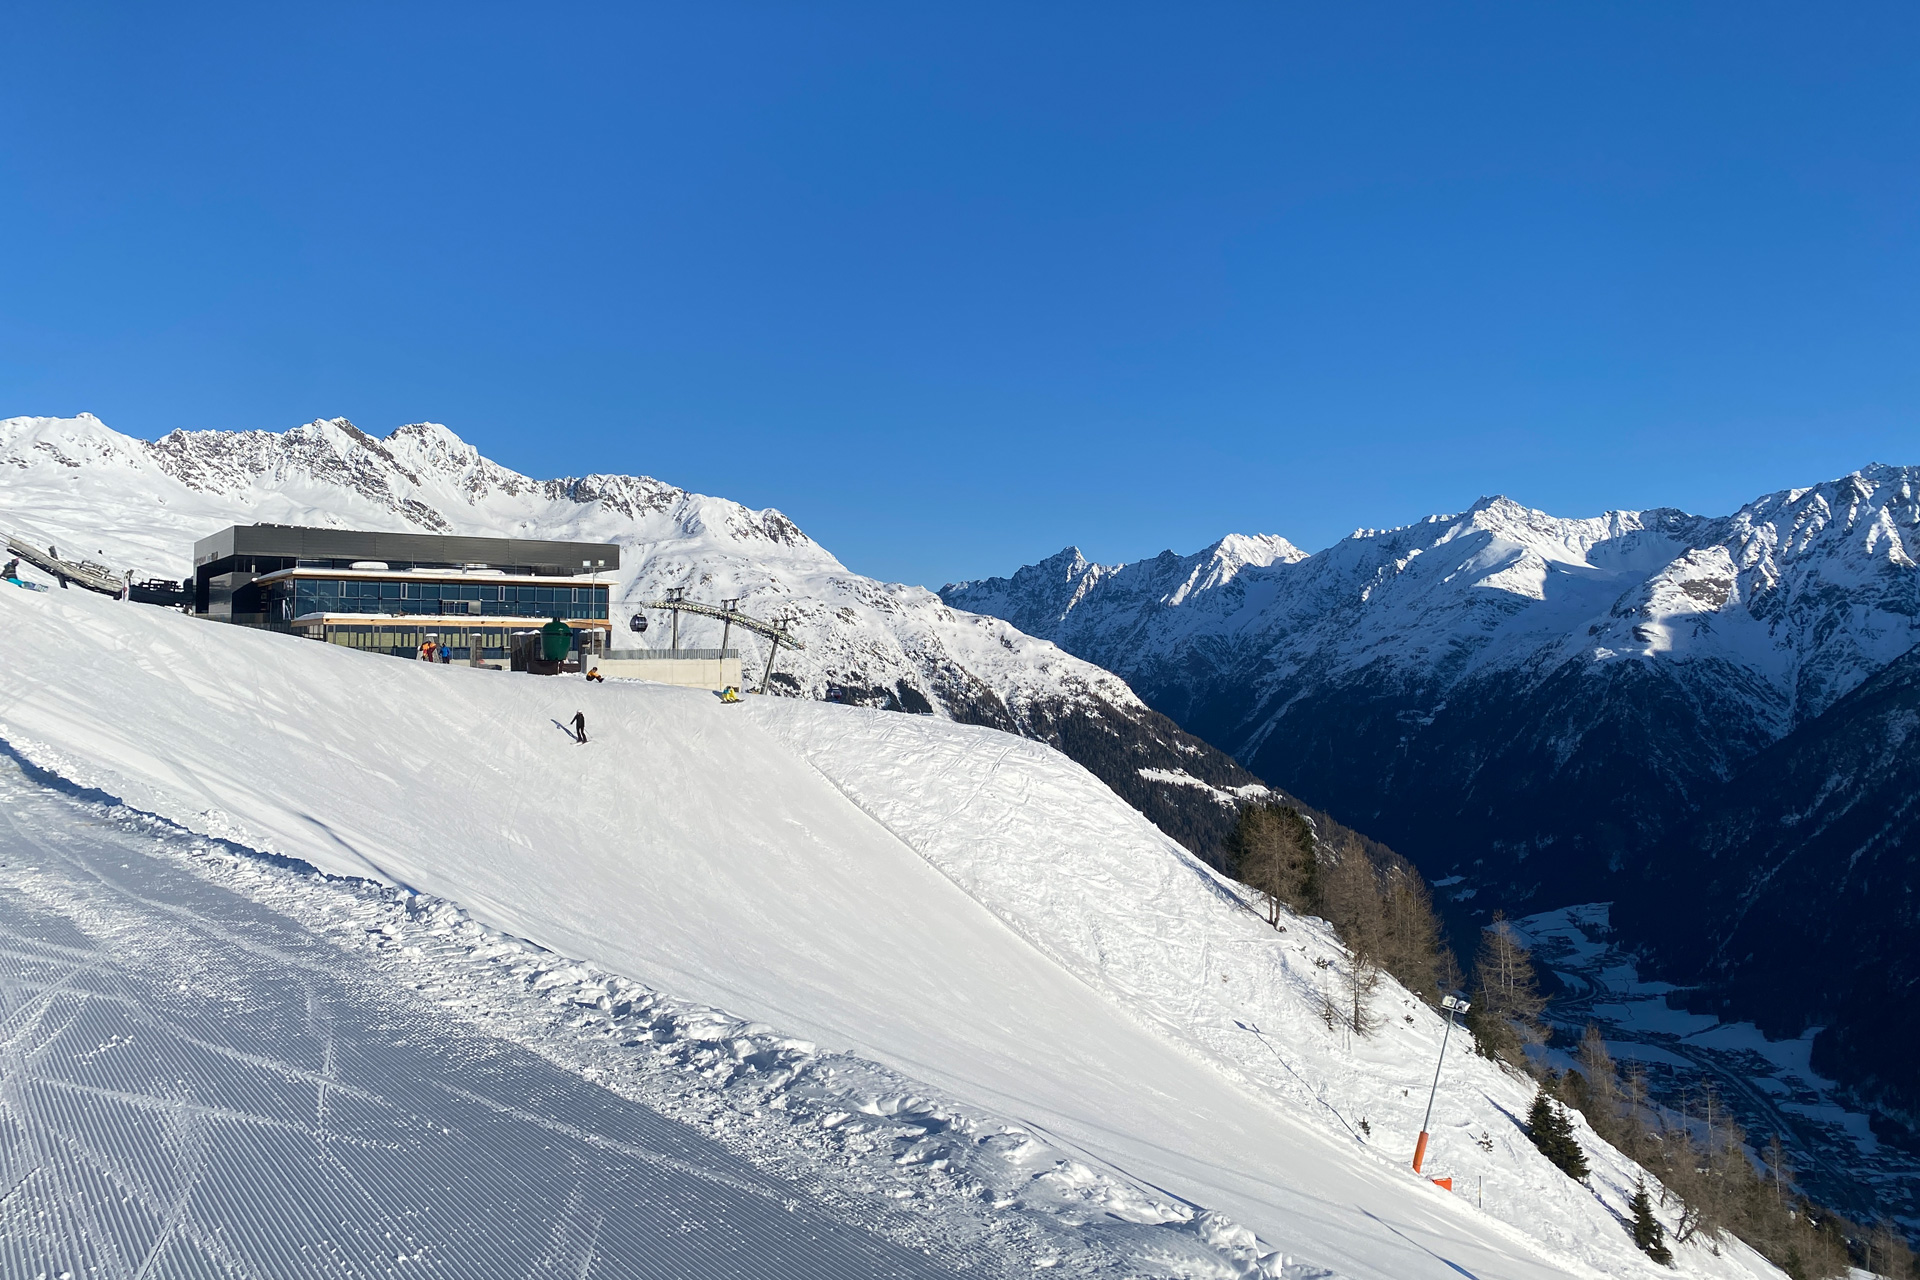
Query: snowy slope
964	906
140	505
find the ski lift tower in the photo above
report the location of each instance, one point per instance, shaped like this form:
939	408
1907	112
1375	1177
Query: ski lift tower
82	573
730	616
672	602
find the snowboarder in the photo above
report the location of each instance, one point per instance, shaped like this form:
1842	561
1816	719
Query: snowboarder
595	676
12	571
579	726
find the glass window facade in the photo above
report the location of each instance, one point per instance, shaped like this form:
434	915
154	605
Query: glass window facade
405	641
301	597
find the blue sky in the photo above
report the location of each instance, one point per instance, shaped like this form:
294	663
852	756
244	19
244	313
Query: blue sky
956	286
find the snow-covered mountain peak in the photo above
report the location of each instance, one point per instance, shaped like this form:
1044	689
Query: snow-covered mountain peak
1243	549
74	442
1874	509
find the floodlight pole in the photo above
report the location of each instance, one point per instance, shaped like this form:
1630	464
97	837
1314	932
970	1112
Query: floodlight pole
726	623
1420	1148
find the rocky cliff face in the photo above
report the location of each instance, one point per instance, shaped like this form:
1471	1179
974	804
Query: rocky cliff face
140	505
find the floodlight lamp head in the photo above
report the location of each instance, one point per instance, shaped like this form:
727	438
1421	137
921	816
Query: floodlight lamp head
1453	1004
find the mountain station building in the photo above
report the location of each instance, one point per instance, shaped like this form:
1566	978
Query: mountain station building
391	592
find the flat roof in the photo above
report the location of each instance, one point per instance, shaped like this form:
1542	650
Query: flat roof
585	578
304	542
453	621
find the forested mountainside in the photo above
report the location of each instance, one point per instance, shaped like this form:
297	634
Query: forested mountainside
1542	706
1805	870
140	505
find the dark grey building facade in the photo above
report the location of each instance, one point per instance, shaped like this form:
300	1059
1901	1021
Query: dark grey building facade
390	592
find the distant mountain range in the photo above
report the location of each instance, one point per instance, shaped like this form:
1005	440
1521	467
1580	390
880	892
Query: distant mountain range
1704	719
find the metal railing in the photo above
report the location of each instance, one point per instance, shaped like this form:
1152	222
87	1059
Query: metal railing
641	655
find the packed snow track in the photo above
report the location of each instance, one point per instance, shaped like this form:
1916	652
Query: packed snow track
191	1084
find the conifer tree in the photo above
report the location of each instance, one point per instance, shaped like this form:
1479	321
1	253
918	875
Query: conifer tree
1349	896
1601	1084
1648	1234
1271	850
1410	947
1362	978
1552	1132
1888	1253
1505	1017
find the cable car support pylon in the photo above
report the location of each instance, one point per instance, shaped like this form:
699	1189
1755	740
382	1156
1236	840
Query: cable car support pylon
730	616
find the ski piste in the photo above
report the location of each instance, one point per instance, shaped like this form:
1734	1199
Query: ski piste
969	911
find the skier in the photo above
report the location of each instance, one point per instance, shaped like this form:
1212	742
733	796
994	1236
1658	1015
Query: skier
579	726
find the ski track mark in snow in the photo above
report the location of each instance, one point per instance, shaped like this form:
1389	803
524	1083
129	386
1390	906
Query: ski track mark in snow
161	1112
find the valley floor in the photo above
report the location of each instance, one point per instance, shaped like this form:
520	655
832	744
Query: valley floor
1767	1086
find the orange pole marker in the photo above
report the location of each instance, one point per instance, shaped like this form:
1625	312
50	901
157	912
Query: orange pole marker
1420	1152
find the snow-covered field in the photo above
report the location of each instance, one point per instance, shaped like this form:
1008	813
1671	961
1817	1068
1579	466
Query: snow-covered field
969	912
